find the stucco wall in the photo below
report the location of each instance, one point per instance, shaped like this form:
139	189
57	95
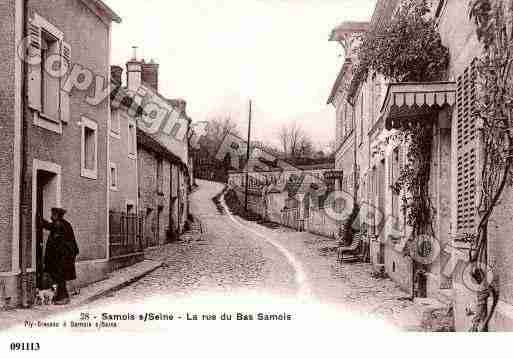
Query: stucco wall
398	267
85	199
460	37
344	160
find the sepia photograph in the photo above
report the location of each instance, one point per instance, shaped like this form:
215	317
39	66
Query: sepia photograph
239	178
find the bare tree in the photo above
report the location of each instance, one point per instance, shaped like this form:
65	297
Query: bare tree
220	125
217	128
294	141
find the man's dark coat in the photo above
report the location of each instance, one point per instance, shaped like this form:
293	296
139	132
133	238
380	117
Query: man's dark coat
61	251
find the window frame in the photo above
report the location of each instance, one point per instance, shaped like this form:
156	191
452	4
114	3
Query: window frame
160	175
114	167
40	118
86	172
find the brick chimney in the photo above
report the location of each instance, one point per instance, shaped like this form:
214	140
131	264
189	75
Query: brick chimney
116	73
150	74
134	70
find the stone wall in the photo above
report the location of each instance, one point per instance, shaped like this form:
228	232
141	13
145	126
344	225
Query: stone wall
126	192
7	122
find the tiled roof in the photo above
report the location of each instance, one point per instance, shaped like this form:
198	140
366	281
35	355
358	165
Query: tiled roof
104	8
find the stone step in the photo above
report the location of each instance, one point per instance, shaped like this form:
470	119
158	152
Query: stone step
436	316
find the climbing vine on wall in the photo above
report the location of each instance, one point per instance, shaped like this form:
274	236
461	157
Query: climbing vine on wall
494	114
413	181
409	48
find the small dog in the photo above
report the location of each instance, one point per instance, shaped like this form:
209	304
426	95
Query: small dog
45	296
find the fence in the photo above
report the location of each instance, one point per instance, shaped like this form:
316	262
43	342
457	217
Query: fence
126	234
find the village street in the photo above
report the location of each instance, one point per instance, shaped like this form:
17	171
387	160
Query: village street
236	266
239	266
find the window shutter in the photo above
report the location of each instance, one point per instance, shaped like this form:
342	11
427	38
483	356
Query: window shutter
466	144
34	76
65	96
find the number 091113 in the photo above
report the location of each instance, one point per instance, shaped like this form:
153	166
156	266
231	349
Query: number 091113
25	347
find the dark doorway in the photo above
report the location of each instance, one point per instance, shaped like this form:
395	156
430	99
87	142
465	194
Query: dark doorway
45	199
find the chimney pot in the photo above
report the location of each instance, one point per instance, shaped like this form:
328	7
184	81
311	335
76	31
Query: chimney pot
150	74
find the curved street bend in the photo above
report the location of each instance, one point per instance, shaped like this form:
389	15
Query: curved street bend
240	266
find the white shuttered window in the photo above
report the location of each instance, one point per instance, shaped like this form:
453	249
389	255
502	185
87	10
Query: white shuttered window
50	56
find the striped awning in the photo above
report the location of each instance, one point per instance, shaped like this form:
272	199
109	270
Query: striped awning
416	101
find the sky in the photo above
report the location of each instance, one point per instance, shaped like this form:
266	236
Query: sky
217	54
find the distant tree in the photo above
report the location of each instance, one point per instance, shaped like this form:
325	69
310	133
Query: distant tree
331	148
294	141
217	128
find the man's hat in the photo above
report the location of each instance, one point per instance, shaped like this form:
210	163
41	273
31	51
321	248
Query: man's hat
59	211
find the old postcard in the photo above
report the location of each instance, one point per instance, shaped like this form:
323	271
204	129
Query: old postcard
177	173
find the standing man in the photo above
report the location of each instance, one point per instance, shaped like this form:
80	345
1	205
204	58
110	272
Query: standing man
61	251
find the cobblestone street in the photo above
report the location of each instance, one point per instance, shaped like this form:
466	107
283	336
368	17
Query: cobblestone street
237	266
245	260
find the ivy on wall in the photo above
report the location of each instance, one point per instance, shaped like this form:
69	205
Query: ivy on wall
494	115
409	49
413	181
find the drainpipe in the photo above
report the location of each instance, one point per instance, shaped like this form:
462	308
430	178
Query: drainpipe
23	188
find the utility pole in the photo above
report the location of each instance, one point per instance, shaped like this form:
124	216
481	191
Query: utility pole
247	158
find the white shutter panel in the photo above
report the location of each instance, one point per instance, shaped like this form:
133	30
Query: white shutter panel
65	96
35	75
466	146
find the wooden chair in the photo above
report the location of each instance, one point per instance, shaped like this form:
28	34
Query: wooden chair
354	250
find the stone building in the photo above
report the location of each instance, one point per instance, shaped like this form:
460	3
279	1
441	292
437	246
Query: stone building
162	153
55	142
379	108
125	223
460	37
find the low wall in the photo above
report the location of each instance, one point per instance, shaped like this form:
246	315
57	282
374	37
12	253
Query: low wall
89	272
320	223
398	267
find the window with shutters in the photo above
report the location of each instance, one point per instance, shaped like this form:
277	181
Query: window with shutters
49	84
89	149
50	58
466	146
